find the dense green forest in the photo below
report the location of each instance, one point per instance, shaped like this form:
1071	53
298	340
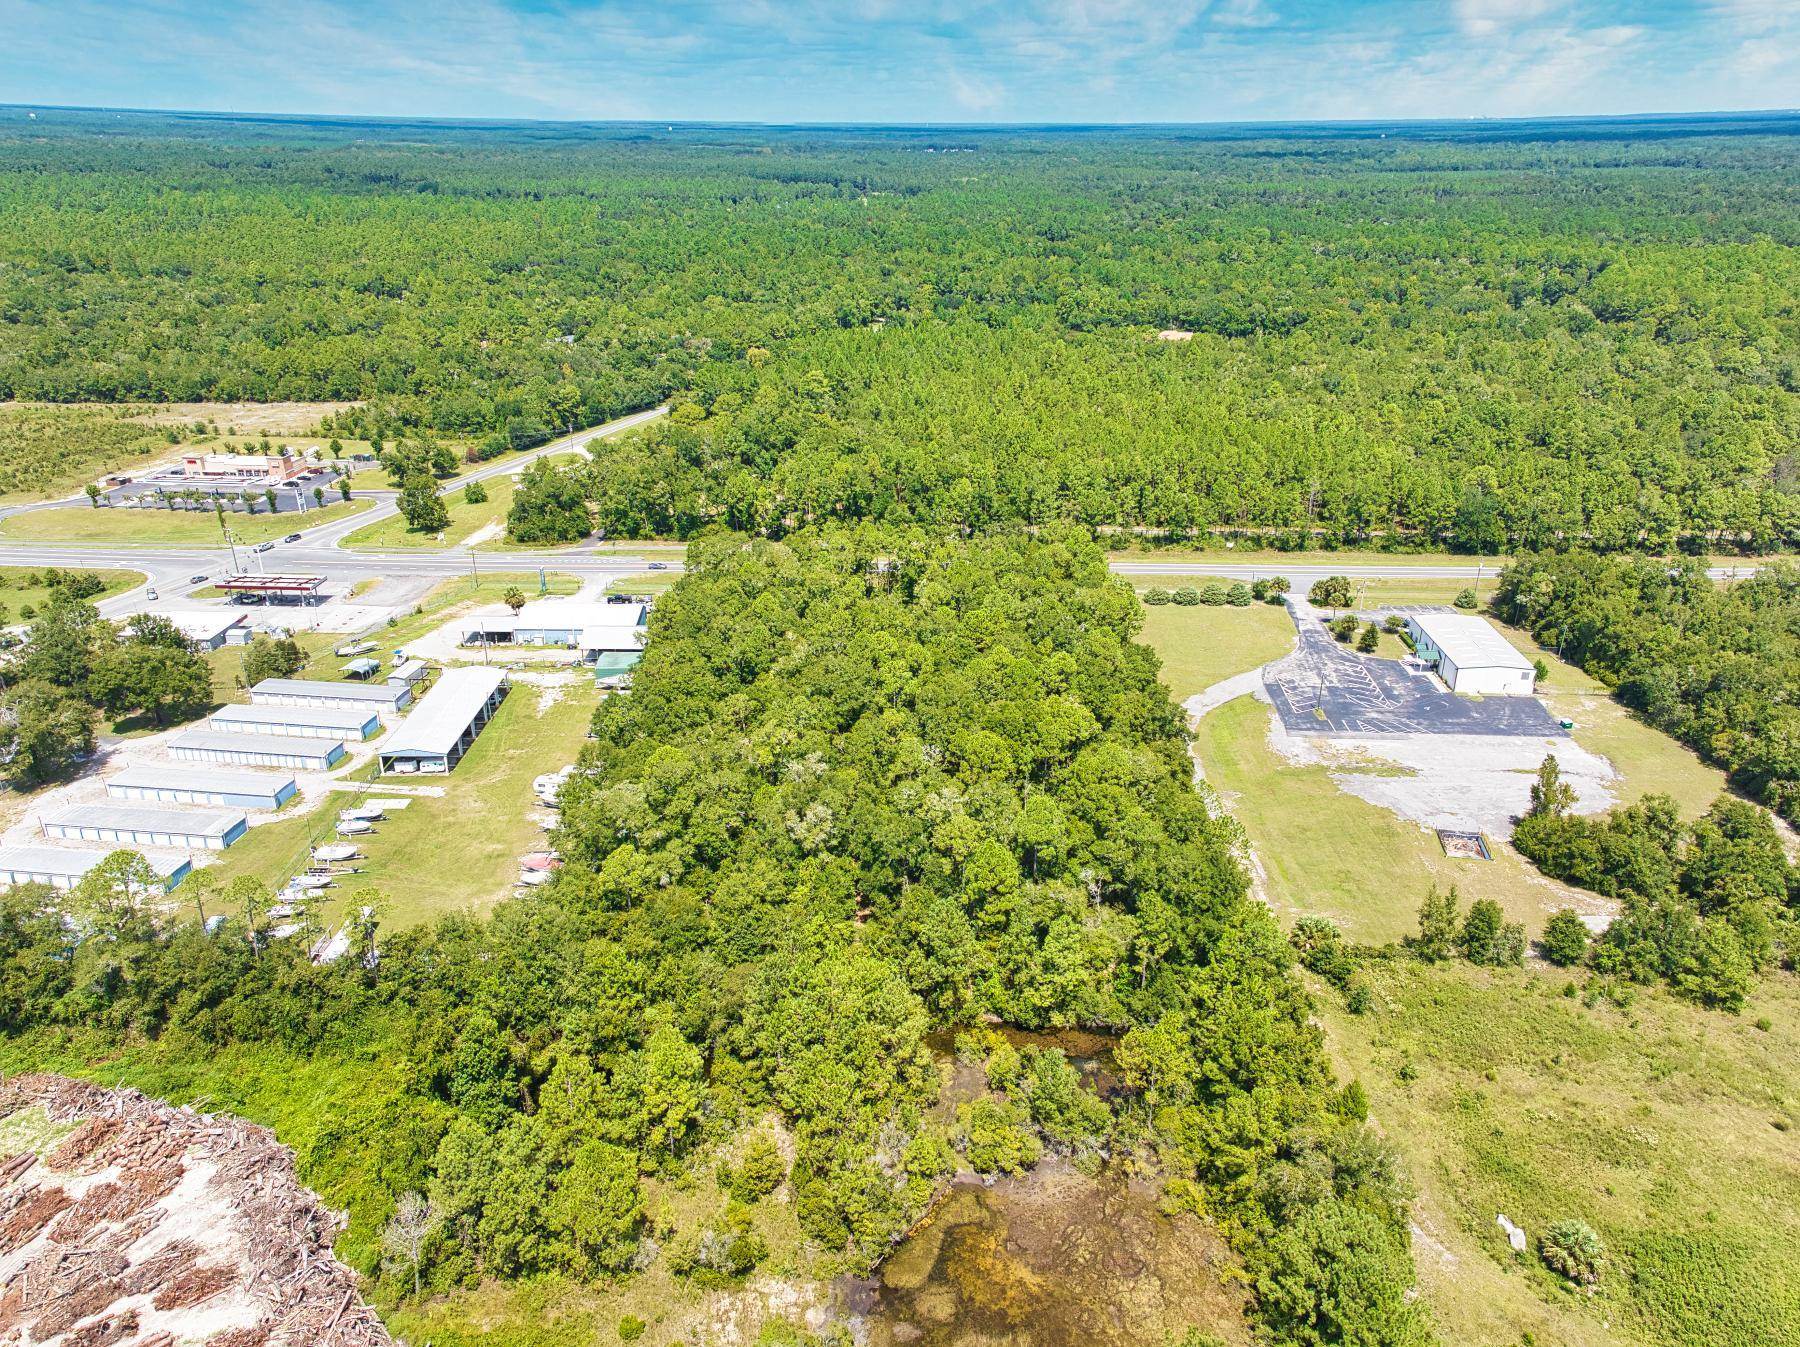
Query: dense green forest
868	784
1438	336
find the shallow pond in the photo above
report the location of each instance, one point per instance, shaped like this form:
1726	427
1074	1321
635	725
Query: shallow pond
1049	1259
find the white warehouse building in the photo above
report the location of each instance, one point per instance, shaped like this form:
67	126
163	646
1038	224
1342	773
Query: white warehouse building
1470	656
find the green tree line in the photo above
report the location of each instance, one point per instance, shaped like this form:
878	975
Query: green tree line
868	784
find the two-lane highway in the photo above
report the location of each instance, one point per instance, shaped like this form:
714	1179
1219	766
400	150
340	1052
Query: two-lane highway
320	551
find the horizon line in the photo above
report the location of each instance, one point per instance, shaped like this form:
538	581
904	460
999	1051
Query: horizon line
697	123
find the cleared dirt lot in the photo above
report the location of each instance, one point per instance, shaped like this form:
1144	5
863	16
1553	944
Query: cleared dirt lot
276	418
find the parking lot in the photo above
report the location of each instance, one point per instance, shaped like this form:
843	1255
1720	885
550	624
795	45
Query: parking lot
156	489
1324	688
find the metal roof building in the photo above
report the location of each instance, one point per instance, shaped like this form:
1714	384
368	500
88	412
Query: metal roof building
562	622
383	699
1470	655
181	829
436	735
240	749
161	784
410	672
210	628
304	722
63	867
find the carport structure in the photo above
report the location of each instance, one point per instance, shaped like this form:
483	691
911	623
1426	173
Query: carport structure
445	722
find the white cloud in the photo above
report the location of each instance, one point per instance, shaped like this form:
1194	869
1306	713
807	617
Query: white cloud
1483	18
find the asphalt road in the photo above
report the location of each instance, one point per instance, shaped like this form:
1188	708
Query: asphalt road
169	570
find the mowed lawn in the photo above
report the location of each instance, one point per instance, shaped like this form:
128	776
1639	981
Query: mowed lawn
1318	851
466	521
458	852
23	587
116	526
1649	760
1201	558
1201	645
1673	1131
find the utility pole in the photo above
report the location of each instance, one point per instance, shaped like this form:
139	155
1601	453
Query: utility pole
231	541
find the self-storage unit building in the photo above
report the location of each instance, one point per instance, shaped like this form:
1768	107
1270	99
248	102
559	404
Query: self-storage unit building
63	867
236	749
383	699
159	784
143	826
303	722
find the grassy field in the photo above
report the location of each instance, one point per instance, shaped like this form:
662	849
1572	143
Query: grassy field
1648	759
465	521
115	526
1377	592
50	452
1199	646
1319	850
451	853
1277	561
1667	1128
23	587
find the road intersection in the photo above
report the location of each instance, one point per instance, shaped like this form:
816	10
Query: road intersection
169	571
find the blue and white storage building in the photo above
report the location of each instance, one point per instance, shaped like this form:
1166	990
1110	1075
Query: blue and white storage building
381	699
303	722
241	749
159	784
136	826
63	867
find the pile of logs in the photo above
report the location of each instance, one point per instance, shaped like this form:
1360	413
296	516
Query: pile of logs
81	1262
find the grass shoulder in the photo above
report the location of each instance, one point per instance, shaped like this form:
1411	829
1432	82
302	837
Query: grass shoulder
118	526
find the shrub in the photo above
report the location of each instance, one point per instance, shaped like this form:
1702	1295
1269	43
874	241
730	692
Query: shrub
1187	596
1436	940
1572	1249
760	1171
631	1328
1541	669
475	493
1331	592
1344	627
1238	596
1156	596
1565	941
1369	639
1488	938
1213	596
996	1137
1466	599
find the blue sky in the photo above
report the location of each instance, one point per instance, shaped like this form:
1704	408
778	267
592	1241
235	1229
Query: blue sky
906	60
